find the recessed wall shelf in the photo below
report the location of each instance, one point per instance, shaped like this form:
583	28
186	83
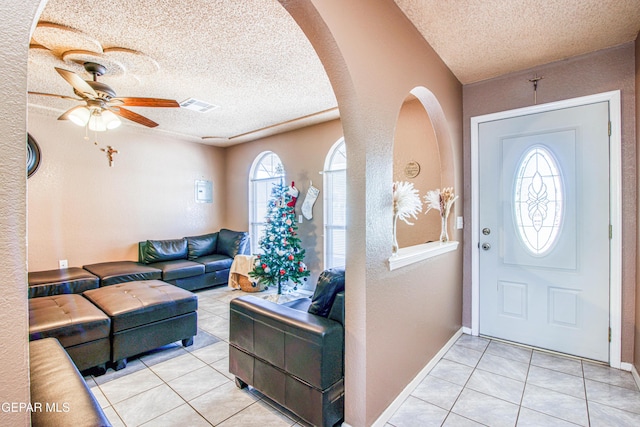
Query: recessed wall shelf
413	254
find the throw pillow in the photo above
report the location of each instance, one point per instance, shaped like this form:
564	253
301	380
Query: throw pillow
330	282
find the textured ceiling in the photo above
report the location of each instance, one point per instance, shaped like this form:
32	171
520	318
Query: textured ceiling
481	39
251	59
248	57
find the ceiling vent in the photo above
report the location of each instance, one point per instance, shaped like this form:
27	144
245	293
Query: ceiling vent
197	105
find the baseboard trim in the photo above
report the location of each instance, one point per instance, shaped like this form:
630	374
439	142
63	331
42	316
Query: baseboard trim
634	372
398	401
466	330
625	366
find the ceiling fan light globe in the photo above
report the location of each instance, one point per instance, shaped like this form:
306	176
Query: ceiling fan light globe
111	121
96	123
80	116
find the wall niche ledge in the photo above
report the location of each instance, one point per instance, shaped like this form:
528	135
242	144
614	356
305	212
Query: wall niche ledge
412	254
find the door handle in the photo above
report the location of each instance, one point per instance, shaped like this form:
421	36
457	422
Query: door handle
486	246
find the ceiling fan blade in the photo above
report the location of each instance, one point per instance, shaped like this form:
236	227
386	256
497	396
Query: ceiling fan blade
146	102
134	117
77	82
56	96
65	115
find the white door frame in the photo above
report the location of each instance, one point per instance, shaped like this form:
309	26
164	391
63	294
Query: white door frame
615	203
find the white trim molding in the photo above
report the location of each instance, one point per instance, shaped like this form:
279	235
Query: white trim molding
398	401
615	202
411	254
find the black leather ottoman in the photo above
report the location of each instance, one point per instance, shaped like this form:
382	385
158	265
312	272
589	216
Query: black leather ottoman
145	315
113	272
82	329
72	280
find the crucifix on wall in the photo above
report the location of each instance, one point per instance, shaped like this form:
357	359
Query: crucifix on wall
110	152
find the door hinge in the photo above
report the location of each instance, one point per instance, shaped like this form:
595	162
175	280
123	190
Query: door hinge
609	128
610	231
609	334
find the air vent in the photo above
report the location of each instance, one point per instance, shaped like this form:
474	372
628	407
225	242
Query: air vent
197	105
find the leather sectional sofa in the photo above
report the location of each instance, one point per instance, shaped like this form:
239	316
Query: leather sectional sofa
195	262
293	352
91	313
59	394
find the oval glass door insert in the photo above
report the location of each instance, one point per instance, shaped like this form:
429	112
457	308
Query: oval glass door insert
538	200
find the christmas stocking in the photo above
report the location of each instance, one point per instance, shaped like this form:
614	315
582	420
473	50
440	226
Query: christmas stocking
309	200
293	192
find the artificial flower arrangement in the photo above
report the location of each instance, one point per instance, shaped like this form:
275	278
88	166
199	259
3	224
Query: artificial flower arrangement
442	202
406	204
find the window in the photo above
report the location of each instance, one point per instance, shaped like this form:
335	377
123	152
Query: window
538	200
335	200
266	170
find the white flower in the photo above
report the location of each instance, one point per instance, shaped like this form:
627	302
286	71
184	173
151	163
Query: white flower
440	200
406	201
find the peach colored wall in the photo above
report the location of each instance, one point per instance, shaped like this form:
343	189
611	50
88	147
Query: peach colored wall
302	153
415	140
602	71
636	358
84	211
17	18
396	320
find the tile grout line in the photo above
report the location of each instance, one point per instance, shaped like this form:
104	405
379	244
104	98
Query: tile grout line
475	367
524	387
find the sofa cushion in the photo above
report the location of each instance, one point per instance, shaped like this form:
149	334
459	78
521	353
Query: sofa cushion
113	272
55	380
198	246
164	250
232	243
215	262
73	280
179	269
330	282
69	317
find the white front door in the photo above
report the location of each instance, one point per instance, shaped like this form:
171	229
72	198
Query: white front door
544	230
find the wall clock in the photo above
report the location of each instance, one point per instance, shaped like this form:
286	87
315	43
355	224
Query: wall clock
33	155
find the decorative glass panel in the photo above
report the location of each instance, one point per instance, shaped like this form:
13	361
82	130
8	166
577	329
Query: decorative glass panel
538	200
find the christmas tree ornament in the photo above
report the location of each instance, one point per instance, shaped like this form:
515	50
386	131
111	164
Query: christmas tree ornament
309	200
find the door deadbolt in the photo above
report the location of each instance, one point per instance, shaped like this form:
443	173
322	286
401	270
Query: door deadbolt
486	231
486	246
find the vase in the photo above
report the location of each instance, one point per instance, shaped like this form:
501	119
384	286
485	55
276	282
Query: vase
444	234
394	248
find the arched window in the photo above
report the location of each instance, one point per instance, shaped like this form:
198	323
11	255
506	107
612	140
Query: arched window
335	200
266	170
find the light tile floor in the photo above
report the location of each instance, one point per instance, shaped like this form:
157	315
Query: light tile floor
178	386
478	382
482	382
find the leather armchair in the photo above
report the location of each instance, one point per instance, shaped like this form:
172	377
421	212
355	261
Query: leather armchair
293	353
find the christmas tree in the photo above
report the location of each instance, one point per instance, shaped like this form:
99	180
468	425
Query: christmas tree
281	258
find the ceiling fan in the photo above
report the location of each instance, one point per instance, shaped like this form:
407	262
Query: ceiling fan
101	103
